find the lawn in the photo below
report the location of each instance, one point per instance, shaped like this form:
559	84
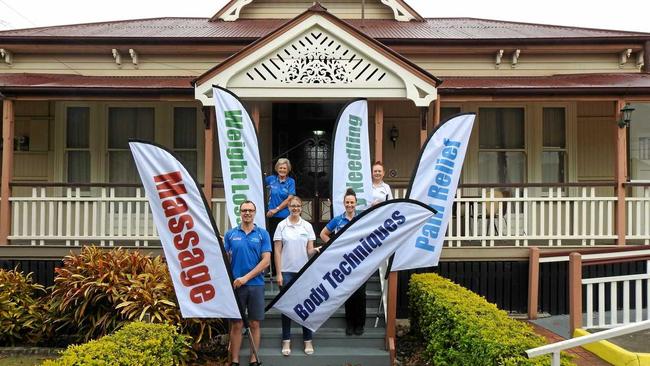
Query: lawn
22	360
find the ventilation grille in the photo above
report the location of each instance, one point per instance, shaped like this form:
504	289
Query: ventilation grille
316	58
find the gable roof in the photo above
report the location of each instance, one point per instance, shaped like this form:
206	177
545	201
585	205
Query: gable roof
327	40
200	29
236	5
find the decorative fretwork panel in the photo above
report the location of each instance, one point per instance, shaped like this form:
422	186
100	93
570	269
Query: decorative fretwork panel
316	58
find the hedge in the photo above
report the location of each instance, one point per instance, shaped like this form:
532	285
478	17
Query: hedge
22	313
462	328
137	343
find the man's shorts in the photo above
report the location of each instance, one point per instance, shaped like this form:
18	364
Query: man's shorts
251	299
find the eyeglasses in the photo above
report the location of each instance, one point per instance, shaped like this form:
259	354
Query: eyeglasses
247	210
295	206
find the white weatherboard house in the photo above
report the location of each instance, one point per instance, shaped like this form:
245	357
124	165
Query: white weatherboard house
551	163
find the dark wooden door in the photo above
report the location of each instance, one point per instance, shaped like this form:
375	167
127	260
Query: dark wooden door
302	132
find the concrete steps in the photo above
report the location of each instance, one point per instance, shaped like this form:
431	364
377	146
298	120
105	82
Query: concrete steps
332	346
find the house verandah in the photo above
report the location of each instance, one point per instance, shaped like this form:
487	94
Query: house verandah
547	164
74	184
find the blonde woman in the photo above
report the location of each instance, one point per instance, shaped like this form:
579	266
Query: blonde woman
293	242
281	188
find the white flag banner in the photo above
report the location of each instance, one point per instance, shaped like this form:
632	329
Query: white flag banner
240	156
434	183
352	256
351	165
189	236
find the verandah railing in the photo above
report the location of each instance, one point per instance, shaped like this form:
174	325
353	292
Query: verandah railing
484	215
101	214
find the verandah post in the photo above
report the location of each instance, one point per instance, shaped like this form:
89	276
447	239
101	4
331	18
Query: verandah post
533	282
620	175
575	292
7	169
208	161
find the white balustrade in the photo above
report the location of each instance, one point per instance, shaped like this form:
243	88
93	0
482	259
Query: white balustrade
521	215
481	216
638	214
76	216
598	290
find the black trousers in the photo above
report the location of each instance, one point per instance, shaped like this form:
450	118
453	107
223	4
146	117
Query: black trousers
272	225
355	308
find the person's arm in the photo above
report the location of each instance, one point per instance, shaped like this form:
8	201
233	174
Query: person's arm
311	250
325	234
261	266
390	192
277	245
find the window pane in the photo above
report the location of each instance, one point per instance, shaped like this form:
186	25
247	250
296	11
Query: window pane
77	128
122	168
188	158
553	166
554	127
502	167
78	167
126	123
185	128
640	142
446	112
501	128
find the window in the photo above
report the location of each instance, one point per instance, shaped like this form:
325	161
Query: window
554	155
78	144
446	112
640	142
502	156
185	137
123	124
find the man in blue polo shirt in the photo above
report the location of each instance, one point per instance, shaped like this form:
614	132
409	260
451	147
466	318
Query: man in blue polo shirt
249	249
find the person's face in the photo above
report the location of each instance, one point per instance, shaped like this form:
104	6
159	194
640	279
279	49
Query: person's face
377	173
247	212
282	170
295	207
350	203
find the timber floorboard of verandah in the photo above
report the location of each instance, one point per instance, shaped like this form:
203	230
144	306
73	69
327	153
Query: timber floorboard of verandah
580	356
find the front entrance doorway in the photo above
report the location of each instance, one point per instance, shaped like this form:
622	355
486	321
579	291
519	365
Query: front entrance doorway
302	132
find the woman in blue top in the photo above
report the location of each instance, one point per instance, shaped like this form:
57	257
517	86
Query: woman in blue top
355	306
281	188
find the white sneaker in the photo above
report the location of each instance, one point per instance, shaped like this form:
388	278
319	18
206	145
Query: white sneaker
309	347
286	348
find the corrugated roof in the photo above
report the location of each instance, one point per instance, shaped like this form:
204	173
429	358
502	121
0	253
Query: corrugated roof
201	28
570	83
574	83
63	81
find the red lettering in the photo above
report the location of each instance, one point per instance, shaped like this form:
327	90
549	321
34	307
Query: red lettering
174	207
177	225
182	242
202	293
169	185
190	258
195	276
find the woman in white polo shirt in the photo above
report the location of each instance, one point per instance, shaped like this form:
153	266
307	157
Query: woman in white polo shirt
293	243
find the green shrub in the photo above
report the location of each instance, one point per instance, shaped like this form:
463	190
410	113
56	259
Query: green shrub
462	328
136	344
98	291
21	311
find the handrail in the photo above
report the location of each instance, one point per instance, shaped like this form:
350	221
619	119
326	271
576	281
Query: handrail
597	255
86	185
533	185
556	348
461	186
590	256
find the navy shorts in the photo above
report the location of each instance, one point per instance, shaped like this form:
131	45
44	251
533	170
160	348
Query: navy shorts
251	299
